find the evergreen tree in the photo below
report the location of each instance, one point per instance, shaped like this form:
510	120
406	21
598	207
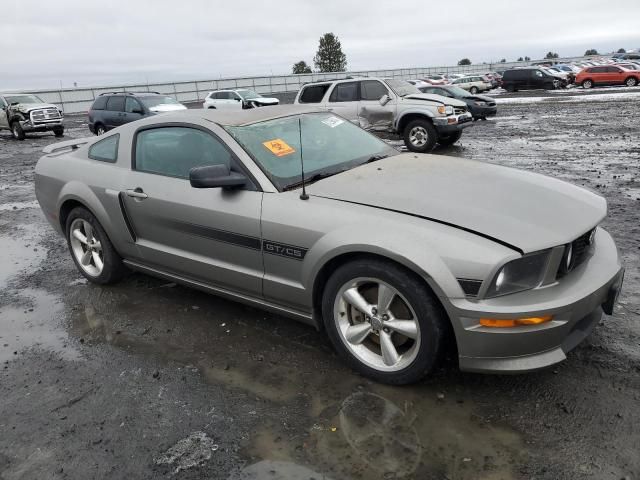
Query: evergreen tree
300	67
330	57
464	61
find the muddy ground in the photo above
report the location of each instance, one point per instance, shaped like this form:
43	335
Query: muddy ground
146	379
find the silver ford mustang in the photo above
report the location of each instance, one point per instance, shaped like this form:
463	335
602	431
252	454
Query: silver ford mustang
388	253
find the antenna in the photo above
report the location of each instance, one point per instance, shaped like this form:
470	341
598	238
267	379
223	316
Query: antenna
303	195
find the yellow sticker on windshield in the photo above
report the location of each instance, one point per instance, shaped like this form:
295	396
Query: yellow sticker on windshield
278	147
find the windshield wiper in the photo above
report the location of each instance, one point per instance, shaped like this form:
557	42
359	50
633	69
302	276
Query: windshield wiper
311	179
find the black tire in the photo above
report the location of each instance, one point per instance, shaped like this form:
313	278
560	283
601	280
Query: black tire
432	319
446	140
100	129
113	269
473	90
58	131
17	131
588	83
212	108
511	89
631	82
431	135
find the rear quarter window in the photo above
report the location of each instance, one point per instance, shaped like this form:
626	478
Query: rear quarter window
105	150
100	103
313	93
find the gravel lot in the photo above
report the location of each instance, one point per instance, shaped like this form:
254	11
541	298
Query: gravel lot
147	379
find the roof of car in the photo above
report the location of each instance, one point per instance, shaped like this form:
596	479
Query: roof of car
134	94
235	117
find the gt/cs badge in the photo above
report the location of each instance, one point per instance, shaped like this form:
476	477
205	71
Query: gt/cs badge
283	250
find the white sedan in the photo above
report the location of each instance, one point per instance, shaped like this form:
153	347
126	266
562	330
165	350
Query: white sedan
237	99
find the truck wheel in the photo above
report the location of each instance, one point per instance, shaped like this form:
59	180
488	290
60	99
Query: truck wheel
631	82
383	321
446	140
58	131
17	131
587	84
420	136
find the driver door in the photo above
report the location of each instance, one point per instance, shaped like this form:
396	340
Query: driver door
344	100
372	115
210	235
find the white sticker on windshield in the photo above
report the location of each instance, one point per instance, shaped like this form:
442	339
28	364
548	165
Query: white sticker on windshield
333	122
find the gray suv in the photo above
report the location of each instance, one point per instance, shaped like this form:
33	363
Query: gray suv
110	110
389	106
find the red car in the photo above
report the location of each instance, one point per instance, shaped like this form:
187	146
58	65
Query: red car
607	75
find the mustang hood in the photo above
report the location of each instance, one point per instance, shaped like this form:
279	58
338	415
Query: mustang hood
429	97
525	210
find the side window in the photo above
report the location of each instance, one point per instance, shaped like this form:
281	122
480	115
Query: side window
115	104
372	90
313	93
105	150
538	73
613	70
2	103
100	103
173	151
224	95
345	92
131	104
234	96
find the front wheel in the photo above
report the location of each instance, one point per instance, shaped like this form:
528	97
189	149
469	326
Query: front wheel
446	140
58	131
100	130
383	321
631	82
91	249
420	136
17	131
587	84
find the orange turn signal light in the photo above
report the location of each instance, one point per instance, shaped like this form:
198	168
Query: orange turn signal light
514	322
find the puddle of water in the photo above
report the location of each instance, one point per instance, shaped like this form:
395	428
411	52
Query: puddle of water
18	254
33	324
345	427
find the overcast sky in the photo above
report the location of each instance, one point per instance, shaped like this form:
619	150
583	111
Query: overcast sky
46	43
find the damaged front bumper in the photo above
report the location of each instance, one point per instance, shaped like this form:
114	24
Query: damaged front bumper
452	123
40	126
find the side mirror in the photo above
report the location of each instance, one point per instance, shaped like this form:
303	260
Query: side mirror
215	176
384	99
237	99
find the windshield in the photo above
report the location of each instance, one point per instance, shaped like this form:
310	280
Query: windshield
459	92
151	102
248	94
330	145
23	99
402	88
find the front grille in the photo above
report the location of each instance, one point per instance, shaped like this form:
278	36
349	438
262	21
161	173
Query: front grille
459	110
580	249
45	114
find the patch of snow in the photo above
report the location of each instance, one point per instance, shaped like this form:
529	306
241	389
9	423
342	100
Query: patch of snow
192	451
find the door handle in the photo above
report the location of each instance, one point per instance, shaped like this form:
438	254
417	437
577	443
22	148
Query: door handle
330	109
137	193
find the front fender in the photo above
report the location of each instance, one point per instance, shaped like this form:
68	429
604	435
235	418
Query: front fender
410	249
412	111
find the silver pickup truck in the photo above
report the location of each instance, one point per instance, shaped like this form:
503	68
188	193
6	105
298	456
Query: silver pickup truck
23	112
390	106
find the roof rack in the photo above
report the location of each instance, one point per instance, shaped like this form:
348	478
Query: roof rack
126	93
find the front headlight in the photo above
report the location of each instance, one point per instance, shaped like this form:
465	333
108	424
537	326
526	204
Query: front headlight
521	274
448	110
481	103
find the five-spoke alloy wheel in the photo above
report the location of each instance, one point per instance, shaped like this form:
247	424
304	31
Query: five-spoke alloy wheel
383	320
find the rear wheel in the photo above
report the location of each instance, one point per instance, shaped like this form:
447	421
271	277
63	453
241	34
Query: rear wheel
58	131
100	130
446	140
17	131
420	136
511	88
631	82
473	90
587	83
91	249
383	321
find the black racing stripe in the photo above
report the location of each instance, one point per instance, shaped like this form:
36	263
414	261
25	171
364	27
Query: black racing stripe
224	236
449	224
